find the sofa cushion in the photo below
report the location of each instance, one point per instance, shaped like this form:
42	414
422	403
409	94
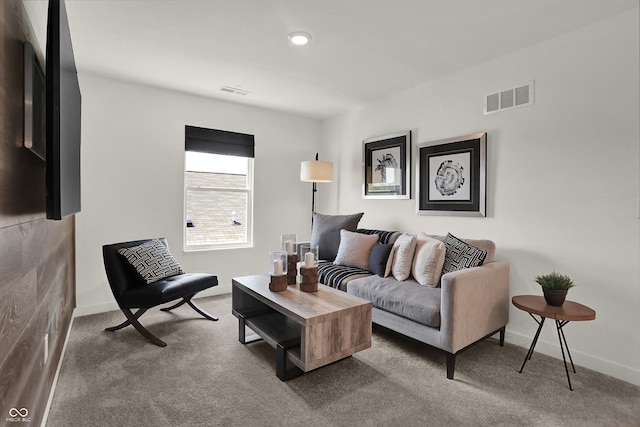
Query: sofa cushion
408	299
403	250
461	255
379	257
326	232
152	261
428	260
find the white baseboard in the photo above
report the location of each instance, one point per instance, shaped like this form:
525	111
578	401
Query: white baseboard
616	370
55	378
95	309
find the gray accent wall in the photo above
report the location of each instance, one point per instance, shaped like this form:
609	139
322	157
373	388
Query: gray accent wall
37	256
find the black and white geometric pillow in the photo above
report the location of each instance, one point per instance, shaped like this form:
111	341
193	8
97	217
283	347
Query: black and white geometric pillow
152	261
459	254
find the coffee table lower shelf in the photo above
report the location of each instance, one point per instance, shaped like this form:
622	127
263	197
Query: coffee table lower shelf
279	332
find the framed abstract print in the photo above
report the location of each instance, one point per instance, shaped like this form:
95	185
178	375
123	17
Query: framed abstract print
386	163
451	177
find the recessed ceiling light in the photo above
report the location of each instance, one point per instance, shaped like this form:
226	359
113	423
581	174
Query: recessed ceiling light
299	38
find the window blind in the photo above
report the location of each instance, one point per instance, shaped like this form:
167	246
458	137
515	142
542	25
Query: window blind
216	141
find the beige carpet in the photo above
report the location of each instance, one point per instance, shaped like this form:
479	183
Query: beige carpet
205	377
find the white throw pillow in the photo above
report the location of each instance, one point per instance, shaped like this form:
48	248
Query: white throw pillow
404	248
428	260
355	249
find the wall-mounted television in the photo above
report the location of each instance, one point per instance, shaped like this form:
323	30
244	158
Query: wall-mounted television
63	106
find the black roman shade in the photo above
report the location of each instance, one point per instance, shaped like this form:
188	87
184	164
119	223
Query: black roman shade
215	141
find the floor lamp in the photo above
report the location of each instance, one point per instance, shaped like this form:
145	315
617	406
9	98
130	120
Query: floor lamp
315	171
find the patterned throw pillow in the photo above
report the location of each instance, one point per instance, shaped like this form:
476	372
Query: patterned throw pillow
403	250
461	255
354	249
152	261
428	260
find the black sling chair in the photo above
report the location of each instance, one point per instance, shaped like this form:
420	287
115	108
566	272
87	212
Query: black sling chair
131	291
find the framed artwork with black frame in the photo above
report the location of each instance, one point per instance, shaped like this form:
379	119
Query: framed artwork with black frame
386	166
451	176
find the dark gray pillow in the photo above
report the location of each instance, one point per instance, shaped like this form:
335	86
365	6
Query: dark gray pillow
379	257
326	232
460	254
152	261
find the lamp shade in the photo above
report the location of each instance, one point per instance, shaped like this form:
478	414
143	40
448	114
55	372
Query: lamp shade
316	171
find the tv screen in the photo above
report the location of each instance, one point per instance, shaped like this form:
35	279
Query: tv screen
63	103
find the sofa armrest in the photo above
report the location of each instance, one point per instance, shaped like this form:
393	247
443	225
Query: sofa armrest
475	303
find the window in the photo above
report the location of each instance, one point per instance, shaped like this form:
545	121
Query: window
218	188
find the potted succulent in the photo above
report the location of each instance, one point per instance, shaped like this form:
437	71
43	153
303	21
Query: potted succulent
554	287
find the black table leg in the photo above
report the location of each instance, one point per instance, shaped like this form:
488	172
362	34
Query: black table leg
564	322
282	372
534	342
241	332
559	326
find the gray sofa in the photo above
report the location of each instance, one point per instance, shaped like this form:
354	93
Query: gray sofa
469	305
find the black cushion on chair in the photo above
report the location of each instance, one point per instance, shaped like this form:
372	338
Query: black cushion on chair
168	289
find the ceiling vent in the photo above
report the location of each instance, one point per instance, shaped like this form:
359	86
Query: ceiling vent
507	99
233	90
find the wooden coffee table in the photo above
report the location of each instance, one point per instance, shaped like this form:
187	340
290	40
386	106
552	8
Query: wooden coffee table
568	312
309	329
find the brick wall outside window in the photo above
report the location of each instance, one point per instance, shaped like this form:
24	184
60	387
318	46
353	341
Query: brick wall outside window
211	211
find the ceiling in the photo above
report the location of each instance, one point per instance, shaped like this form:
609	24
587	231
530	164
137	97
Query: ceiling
361	50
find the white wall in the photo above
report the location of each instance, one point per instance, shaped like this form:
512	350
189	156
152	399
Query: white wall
132	179
563	178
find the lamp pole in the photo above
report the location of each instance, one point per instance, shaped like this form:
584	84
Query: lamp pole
314	188
315	171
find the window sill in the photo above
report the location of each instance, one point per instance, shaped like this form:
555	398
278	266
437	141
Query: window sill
217	247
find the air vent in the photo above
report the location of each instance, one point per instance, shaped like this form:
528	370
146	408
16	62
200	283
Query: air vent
519	96
234	90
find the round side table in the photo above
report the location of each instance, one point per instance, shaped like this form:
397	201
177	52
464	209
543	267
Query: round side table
569	312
